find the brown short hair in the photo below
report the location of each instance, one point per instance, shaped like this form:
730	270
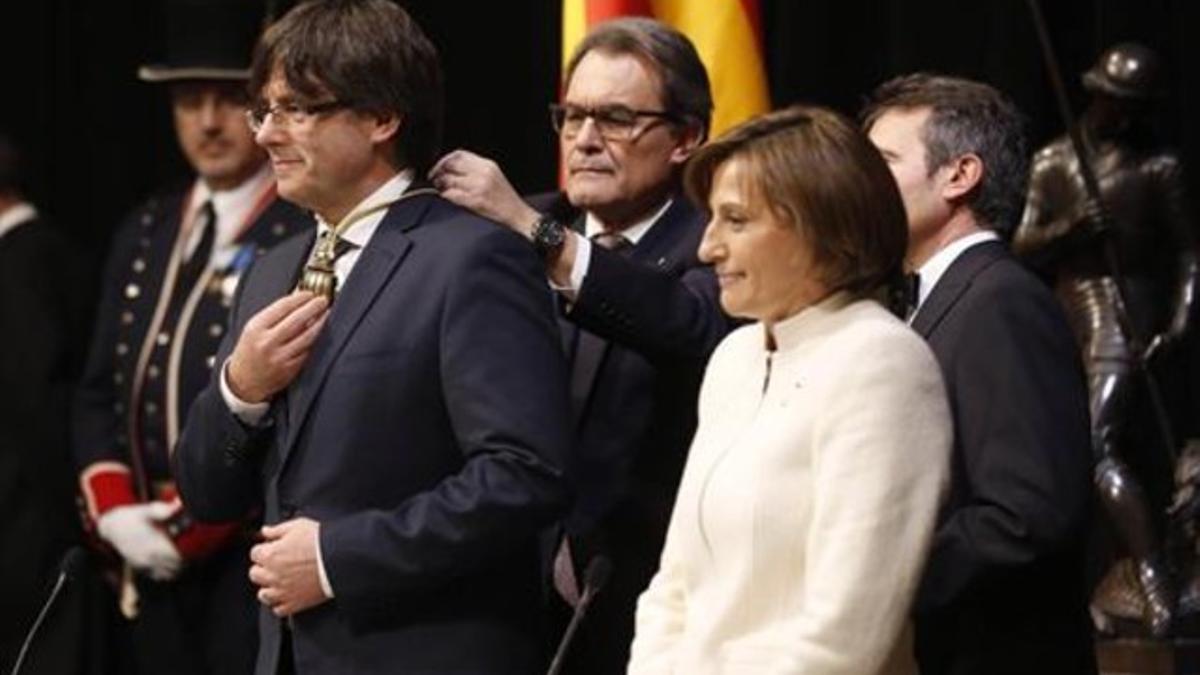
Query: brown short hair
367	53
816	170
686	92
966	117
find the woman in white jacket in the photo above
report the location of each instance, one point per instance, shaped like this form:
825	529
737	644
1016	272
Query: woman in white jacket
812	486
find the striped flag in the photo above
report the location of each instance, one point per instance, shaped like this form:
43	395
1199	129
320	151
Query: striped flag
727	35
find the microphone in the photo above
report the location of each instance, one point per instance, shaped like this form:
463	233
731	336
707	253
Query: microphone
598	571
68	569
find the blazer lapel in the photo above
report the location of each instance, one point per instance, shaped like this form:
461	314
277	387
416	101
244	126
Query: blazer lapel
567	331
273	283
954	282
279	280
590	351
655	247
375	265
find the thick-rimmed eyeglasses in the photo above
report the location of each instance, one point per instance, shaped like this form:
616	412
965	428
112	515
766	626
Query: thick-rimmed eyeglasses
612	122
289	114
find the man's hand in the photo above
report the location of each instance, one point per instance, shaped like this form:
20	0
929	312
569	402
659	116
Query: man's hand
274	346
285	567
478	184
1090	221
135	532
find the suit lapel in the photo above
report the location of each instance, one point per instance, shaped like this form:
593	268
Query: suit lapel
375	265
276	281
654	248
954	282
585	350
279	280
566	330
591	350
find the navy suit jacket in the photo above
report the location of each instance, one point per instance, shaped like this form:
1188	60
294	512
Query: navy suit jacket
640	332
425	434
1003	591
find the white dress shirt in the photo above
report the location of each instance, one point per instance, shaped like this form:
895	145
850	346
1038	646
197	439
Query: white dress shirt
936	266
583	245
232	208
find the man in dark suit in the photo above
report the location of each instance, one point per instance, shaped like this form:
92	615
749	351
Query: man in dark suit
1004	587
639	313
43	308
406	440
164	298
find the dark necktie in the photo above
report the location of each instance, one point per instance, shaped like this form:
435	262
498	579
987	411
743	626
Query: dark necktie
341	247
613	241
206	221
903	295
912	293
587	347
195	262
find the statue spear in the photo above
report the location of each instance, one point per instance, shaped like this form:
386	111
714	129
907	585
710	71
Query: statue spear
1092	185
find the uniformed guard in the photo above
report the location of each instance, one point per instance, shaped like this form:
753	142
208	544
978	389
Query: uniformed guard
167	289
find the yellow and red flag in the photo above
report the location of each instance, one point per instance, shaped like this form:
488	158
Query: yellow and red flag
727	35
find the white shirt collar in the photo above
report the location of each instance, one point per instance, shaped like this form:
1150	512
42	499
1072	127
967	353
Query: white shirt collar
15	215
936	266
232	207
360	232
634	233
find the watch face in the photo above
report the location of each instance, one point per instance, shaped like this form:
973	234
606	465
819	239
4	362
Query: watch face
547	236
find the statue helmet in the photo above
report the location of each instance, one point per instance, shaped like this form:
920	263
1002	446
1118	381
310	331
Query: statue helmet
1127	70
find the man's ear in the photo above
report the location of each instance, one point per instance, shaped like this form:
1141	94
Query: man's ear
962	175
385	127
689	138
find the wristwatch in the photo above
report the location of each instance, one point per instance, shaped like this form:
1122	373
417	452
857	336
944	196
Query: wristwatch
548	236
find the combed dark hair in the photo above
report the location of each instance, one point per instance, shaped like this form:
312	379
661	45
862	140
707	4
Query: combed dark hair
10	165
816	170
686	91
367	53
966	117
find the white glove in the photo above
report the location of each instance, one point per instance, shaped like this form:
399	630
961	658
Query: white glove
133	530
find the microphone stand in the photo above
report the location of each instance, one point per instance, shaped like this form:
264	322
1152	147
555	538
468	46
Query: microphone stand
594	579
69	566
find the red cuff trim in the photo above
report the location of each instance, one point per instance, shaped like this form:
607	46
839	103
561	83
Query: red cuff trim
195	540
203	539
105	486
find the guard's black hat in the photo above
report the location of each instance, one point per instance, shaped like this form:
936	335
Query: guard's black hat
208	40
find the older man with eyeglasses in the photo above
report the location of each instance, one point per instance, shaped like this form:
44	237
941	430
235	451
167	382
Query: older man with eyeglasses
638	312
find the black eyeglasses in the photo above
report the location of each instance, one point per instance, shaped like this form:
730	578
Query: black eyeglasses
613	122
289	114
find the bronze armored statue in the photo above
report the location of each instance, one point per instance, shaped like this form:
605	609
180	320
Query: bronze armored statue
1125	267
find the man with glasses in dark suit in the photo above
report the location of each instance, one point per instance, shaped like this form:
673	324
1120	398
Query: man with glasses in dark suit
638	311
390	388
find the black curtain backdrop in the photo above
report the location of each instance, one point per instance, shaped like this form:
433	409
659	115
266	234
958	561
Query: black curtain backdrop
97	139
